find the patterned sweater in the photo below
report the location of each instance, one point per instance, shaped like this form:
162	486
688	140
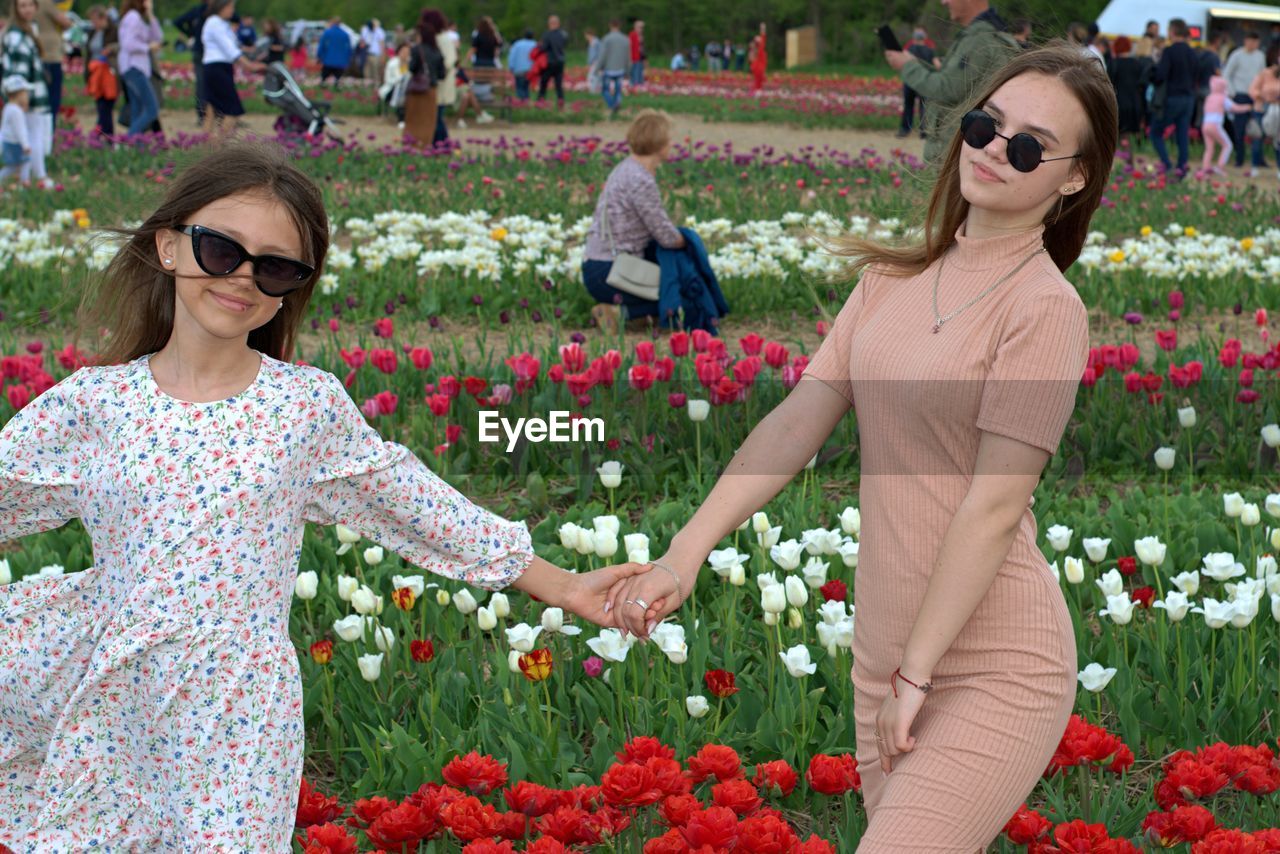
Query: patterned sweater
22	57
635	214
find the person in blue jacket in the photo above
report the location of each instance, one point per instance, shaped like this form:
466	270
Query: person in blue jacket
334	51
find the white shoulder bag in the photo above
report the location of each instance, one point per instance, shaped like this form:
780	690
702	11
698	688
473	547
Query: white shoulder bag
630	273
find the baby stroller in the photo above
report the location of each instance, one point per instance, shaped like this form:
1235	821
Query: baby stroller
300	114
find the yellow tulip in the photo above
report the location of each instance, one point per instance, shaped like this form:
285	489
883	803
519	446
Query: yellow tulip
1146	231
1117	256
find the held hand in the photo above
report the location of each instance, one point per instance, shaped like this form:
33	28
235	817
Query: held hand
591	590
897	58
893	723
647	600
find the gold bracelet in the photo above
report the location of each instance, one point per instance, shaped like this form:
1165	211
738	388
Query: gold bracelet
674	577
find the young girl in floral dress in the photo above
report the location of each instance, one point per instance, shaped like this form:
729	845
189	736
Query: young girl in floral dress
153	701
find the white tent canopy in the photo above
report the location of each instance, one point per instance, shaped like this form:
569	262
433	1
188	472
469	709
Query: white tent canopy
1129	17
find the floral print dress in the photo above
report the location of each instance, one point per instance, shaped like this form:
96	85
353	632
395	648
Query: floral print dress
153	701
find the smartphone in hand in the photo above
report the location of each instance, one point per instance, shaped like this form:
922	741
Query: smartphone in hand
888	40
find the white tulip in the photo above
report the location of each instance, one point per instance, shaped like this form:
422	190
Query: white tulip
759	522
812	462
53	570
1271	435
610	472
698	409
1111	583
832	612
770	618
1266	565
1221	566
1119	609
1059	537
737	575
794	618
1249	515
415	583
346	535
1073	569
797	593
670	639
1165	458
1273	536
1232	504
767	579
1275	607
722	560
820	541
1175	605
553	621
609	523
1272	504
610	645
1187	582
522	636
1187	416
605	543
815	572
1095	677
798	662
1216	614
349	628
769	538
697	706
1244	613
1096	548
374	555
773	599
787	555
304	587
849	553
501	605
827	636
487	620
370	666
568	533
586	543
513	661
1273	583
635	542
442	597
1150	550
746	523
465	602
1057	576
384	638
6	575
347	585
851	521
365	601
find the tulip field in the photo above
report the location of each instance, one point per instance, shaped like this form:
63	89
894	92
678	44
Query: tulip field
442	718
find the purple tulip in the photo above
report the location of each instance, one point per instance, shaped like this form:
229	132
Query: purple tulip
593	666
1132	318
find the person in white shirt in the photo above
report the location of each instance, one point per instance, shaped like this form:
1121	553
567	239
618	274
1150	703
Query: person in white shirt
16	141
376	38
222	51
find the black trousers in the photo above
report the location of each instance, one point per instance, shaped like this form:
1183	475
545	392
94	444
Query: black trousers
552	72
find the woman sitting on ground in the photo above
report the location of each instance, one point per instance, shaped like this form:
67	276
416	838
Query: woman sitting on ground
635	215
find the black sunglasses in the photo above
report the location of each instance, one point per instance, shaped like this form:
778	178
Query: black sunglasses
219	255
1023	151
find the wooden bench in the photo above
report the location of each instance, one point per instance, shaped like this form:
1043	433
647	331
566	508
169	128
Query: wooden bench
500	83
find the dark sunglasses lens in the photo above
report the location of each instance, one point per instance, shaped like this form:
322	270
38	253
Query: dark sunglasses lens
1024	152
282	271
978	129
218	255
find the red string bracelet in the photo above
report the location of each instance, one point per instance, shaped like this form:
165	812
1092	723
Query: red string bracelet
897	674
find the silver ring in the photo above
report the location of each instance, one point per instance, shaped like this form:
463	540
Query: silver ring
642	604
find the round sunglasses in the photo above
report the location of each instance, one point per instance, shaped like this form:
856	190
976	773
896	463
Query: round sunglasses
219	255
1023	150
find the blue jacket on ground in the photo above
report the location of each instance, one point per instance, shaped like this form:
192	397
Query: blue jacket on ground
689	286
334	49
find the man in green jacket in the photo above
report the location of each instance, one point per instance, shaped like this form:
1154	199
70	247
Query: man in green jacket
980	48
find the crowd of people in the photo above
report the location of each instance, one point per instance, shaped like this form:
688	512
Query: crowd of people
1164	86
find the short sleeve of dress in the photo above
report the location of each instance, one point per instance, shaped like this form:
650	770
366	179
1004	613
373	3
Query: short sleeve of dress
42	461
1030	391
382	491
831	363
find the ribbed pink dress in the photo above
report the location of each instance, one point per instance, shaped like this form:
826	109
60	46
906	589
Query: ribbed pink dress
1009	364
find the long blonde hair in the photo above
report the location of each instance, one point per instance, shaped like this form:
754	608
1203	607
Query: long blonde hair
1066	224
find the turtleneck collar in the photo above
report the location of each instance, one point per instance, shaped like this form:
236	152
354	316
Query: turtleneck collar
994	253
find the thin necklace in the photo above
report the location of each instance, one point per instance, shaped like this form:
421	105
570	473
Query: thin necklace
938	320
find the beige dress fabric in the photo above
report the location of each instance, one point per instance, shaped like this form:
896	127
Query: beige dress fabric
1010	364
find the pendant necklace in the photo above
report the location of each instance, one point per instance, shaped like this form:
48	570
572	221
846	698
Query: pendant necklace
938	320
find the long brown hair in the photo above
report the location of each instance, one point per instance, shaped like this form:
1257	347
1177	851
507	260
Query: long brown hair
1066	223
132	303
25	26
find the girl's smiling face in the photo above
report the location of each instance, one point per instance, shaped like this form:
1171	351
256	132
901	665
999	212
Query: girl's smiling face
1045	108
227	308
26	10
